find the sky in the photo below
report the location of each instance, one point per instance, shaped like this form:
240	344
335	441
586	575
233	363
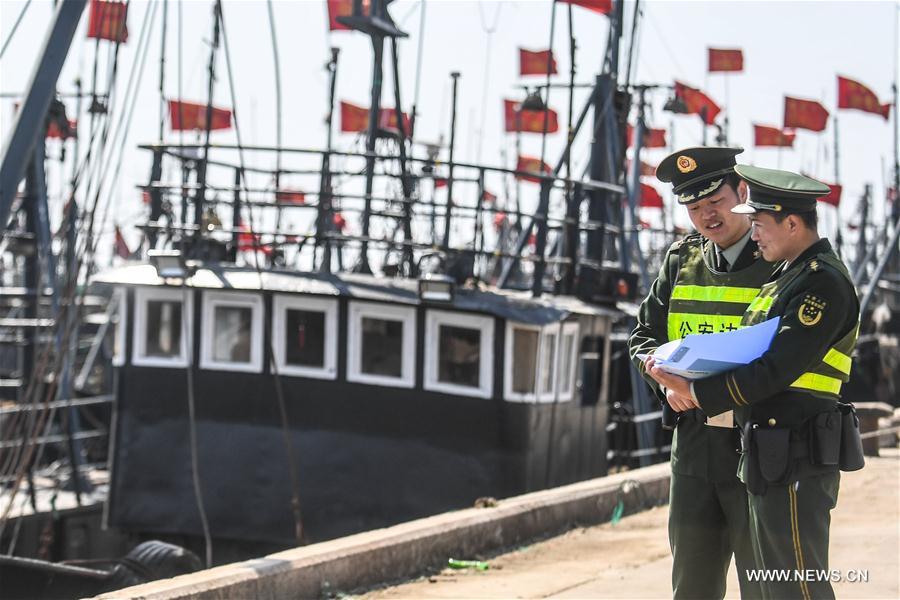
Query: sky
790	48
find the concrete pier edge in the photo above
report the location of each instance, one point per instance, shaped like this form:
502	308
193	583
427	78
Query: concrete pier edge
410	549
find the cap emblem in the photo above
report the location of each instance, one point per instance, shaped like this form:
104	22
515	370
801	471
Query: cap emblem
686	164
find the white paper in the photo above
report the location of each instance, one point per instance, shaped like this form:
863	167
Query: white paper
701	355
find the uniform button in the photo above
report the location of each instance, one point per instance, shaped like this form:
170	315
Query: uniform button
772	422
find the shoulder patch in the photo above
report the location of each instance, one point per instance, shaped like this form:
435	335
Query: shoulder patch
811	310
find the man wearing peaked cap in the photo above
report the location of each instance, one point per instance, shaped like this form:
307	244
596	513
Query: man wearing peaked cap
705	284
797	436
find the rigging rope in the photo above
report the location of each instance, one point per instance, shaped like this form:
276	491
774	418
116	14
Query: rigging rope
15	26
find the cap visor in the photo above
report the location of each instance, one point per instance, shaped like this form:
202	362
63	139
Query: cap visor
743	209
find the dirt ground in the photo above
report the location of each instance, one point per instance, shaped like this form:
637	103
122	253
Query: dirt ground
631	559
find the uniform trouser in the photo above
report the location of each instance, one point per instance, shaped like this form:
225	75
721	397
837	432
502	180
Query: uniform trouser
708	522
789	528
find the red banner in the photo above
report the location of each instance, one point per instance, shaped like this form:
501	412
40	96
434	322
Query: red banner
342	8
529	121
529	164
764	135
697	103
290	196
108	21
723	61
653	138
534	62
834	196
852	94
650	198
604	7
121	248
191	115
804	114
355	119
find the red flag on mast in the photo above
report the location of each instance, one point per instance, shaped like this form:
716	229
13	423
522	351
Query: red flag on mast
604	7
121	247
342	8
804	114
764	135
530	164
528	121
534	62
852	94
192	115
653	138
723	61
650	198
108	20
834	196
697	102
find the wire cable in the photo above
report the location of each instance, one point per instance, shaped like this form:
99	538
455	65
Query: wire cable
15	26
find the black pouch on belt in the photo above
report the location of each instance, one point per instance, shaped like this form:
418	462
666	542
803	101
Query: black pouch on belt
774	448
825	438
851	457
752	476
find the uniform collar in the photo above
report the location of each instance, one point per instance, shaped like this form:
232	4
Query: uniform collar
733	252
819	247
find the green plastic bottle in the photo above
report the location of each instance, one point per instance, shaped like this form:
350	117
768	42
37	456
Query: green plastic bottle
455	563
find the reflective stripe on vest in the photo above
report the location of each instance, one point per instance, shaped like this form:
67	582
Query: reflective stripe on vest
838	360
684	324
817	383
717	293
761	304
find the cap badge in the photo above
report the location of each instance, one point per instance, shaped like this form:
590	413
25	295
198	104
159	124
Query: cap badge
686	164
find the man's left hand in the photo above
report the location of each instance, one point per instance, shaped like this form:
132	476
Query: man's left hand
677	384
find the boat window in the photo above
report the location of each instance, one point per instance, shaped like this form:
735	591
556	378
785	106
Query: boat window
161	337
568	359
522	343
232	332
459	353
548	362
304	334
381	345
117	327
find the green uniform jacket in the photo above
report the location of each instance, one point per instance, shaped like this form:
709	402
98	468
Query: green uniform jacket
697	449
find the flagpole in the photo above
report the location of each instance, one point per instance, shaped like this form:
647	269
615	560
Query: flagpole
838	238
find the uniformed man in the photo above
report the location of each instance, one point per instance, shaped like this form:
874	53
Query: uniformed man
787	400
705	284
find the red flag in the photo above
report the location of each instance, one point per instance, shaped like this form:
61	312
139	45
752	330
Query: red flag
650	198
534	62
604	7
108	21
122	250
529	121
530	164
804	114
440	182
653	138
852	94
191	115
697	103
834	196
763	135
342	8
290	196
340	223
488	198
721	60
53	130
355	119
249	242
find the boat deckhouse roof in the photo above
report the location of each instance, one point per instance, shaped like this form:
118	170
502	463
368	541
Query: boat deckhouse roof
514	305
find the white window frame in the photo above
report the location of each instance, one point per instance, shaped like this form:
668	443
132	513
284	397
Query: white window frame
433	321
508	393
359	310
573	351
214	299
143	295
120	297
281	303
555	330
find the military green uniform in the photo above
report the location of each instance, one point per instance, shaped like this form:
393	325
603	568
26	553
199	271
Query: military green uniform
787	403
708	517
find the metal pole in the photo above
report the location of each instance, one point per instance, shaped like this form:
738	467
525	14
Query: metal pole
374	116
447	217
324	219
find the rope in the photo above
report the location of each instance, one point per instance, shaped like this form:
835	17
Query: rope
15	26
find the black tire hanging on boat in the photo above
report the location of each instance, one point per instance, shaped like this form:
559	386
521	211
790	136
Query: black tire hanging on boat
153	560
